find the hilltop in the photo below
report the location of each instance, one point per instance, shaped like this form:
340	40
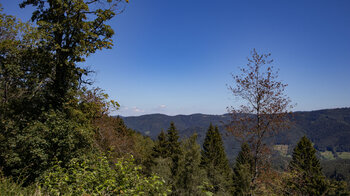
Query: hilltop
328	129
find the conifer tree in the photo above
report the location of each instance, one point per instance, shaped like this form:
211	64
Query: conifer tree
306	172
160	149
173	144
166	157
159	162
192	176
242	172
215	162
174	152
168	144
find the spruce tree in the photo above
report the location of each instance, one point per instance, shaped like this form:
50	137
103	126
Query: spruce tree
242	172
173	147
166	157
215	162
159	162
192	176
306	172
173	143
160	149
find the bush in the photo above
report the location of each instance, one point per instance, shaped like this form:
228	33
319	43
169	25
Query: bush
8	187
97	177
28	149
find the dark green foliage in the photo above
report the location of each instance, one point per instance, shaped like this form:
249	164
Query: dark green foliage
192	177
174	152
49	122
328	129
304	158
142	147
27	151
8	187
35	127
337	188
160	149
215	163
178	163
96	176
338	170
244	156
53	131
242	172
173	144
165	159
22	79
306	172
173	148
73	29
158	161
162	167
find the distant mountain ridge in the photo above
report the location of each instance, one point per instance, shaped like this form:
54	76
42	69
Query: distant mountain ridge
328	129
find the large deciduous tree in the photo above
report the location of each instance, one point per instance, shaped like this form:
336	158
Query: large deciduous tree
40	73
73	30
264	111
22	80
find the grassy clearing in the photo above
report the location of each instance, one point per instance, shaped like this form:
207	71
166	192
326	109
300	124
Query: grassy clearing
344	155
282	149
328	155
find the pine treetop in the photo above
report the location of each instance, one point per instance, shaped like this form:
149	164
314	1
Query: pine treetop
173	144
160	149
304	157
244	156
242	172
307	177
215	162
161	137
213	149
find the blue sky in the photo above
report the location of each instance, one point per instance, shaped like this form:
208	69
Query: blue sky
176	57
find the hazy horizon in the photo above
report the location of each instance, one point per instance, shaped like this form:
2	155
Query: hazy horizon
219	114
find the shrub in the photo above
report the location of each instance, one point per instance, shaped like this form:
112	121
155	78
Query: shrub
97	177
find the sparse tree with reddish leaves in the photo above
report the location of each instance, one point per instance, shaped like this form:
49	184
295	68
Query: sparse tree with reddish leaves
265	110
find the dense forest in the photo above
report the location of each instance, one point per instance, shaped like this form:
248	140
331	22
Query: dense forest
329	129
57	136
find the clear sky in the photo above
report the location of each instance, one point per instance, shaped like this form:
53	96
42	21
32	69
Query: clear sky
176	57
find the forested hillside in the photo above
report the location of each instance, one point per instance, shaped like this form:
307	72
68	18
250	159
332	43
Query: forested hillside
57	135
328	129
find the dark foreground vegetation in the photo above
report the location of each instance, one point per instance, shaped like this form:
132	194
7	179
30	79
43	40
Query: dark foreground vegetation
57	138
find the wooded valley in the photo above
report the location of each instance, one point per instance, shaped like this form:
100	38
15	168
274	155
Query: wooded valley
58	135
